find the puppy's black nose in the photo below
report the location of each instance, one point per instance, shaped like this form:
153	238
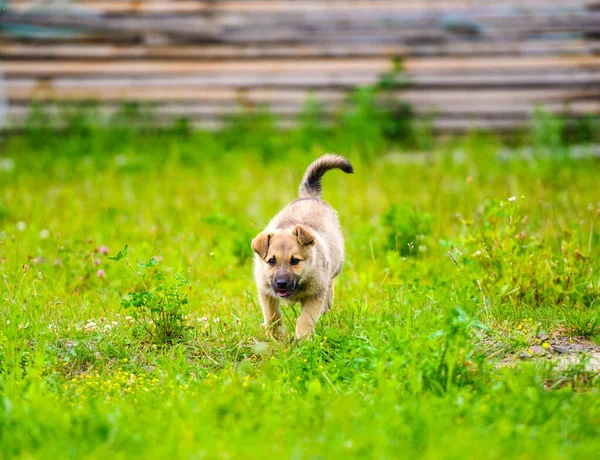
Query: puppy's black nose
281	283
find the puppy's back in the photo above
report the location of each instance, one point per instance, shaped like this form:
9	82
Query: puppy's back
310	210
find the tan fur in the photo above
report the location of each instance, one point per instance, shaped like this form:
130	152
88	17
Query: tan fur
307	231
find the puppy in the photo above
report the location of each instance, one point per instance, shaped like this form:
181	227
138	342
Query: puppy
300	253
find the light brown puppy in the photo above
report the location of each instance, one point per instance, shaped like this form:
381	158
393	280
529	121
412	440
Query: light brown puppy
301	252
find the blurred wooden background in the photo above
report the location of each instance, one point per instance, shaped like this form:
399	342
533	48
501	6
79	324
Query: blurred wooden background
471	63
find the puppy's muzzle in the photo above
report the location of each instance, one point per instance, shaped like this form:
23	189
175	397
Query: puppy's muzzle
283	287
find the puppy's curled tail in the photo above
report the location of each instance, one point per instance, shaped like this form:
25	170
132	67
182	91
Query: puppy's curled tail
310	187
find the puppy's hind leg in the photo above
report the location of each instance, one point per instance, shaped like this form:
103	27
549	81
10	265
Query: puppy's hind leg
328	305
271	313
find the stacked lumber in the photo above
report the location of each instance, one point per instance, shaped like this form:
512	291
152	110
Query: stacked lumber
469	63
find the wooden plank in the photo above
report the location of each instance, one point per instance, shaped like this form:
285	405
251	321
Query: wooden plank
372	20
294	108
49	69
233	28
182	93
11	50
198	28
162	35
261	7
46	68
559	78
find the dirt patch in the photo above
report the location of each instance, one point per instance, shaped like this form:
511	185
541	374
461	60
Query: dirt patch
564	352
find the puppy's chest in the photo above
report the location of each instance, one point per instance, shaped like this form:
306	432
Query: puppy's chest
308	289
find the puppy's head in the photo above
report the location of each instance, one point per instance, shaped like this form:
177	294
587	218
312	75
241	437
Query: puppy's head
287	256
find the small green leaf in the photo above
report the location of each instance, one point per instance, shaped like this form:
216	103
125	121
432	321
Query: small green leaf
151	263
120	255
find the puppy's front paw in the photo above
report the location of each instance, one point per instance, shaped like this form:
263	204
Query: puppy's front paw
304	332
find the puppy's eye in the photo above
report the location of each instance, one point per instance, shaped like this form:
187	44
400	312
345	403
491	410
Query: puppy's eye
272	261
294	261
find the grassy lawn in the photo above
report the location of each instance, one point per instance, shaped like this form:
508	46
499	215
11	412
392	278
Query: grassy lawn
469	277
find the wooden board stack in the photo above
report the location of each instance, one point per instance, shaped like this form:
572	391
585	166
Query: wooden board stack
470	63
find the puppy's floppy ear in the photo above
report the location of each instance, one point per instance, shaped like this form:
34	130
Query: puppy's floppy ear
304	235
260	244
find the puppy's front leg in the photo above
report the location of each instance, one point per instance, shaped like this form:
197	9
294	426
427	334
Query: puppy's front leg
329	301
311	310
271	313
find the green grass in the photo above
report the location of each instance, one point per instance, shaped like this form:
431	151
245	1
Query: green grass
446	282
